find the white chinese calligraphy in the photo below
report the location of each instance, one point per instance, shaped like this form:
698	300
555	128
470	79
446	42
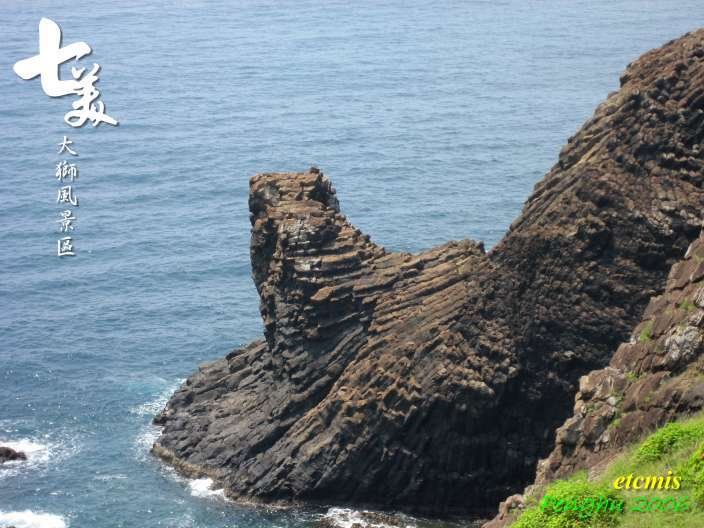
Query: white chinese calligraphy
66	170
65	247
66	221
51	56
85	108
47	65
66	195
65	146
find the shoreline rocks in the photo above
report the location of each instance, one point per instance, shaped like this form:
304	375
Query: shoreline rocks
433	383
7	454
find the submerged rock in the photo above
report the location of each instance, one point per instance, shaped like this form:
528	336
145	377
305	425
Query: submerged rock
7	454
433	383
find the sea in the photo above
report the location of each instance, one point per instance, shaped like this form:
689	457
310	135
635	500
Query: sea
434	121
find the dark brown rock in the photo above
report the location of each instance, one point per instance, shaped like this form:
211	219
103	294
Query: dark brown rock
509	510
434	382
7	454
653	379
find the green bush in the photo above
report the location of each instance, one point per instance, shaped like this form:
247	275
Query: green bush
692	473
646	334
670	438
573	504
678	446
687	305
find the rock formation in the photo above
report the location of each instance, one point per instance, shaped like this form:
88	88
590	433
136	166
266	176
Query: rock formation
434	382
7	454
654	378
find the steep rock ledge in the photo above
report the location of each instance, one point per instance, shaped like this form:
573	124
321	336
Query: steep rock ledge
434	382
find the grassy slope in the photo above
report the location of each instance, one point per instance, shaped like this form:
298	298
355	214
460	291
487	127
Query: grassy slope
678	446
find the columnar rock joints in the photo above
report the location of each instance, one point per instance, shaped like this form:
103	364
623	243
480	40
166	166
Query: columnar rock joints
654	378
434	382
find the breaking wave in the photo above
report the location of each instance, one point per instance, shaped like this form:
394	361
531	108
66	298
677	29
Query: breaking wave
30	519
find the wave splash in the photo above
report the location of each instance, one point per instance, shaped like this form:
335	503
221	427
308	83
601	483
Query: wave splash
30	519
152	407
41	451
348	518
203	487
36	452
149	433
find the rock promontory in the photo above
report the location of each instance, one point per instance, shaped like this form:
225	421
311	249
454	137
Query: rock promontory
434	382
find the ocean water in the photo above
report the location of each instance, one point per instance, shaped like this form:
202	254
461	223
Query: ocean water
433	119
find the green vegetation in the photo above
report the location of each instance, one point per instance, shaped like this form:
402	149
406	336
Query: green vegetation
578	487
647	333
668	439
677	447
692	471
687	305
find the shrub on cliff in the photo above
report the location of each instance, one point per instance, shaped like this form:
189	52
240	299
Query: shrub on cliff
573	503
668	439
677	446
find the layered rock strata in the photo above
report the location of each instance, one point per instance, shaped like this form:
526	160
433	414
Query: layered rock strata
434	382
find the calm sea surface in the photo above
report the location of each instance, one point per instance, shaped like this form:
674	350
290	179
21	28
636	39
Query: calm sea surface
434	120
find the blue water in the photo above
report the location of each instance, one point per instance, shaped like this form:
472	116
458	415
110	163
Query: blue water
434	120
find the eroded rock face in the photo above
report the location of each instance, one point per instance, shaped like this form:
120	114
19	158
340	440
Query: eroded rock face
654	378
433	382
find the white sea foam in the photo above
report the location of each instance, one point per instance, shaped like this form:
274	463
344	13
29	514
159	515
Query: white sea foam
347	518
145	439
109	477
152	407
30	519
36	452
40	451
149	433
203	487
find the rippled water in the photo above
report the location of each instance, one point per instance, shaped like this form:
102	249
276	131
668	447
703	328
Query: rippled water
434	120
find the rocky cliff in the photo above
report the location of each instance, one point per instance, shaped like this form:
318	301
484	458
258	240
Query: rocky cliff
434	382
654	378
